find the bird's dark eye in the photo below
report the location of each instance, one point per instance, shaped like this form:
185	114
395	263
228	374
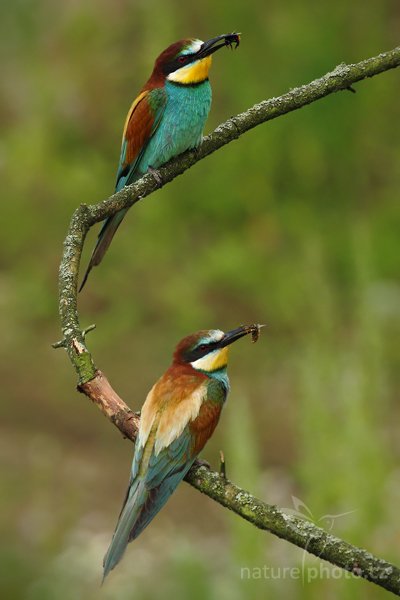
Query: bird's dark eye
203	346
182	59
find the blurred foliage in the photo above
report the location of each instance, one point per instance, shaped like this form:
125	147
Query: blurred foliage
295	225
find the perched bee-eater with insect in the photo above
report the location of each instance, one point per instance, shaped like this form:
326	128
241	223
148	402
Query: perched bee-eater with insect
166	118
179	415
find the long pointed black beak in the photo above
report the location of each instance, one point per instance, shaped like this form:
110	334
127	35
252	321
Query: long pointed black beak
211	46
236	334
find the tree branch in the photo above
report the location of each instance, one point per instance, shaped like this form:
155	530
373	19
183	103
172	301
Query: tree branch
96	386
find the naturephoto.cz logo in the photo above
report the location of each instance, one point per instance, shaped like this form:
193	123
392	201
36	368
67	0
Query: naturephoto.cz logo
305	573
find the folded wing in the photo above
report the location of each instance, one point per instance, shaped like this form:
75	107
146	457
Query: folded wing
141	124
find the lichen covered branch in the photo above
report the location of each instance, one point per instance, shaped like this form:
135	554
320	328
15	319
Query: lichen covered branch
96	386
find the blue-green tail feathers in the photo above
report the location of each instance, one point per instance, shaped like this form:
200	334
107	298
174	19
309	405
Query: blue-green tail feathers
106	235
126	525
142	503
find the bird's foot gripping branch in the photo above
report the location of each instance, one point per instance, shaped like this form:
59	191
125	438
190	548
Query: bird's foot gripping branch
96	386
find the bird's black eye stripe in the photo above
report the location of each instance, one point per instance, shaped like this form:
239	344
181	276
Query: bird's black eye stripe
183	59
199	351
178	62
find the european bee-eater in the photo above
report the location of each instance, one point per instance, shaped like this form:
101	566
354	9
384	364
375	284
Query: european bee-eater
166	118
179	415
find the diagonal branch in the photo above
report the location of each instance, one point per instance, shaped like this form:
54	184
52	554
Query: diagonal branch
95	385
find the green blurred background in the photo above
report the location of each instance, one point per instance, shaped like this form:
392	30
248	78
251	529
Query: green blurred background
296	225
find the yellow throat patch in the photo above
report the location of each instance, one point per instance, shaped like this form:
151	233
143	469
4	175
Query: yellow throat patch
194	73
213	361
